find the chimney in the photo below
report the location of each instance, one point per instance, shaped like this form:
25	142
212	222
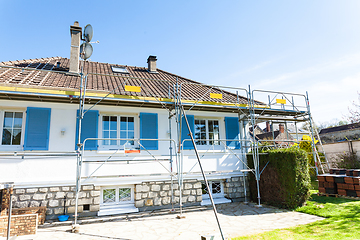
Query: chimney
281	128
75	32
268	129
152	64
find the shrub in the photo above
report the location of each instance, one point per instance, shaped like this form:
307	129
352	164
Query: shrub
285	182
348	161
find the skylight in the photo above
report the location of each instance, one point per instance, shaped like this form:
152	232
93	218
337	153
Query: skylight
119	69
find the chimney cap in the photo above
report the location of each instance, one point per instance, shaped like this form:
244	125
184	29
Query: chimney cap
75	27
151	58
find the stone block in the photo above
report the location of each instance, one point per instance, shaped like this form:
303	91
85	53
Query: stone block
153	194
165	200
72	209
84	201
227	184
199	198
39	196
197	185
19	191
157	201
176	199
184	199
199	191
24	204
97	188
53	203
96	200
59	210
237	184
188	186
73	189
43	190
60	195
231	184
24	197
149	202
87	187
14	198
43	203
68	203
94	193
70	195
137	196
166	187
34	204
163	193
175	186
82	195
49	195
235	179
193	192
54	189
177	193
31	190
230	190
155	188
49	211
186	192
94	208
142	188
73	202
65	189
191	199
159	182
139	204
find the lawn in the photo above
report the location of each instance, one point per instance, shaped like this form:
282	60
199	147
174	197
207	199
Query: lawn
342	221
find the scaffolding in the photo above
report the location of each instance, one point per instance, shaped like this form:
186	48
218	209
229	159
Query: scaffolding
252	107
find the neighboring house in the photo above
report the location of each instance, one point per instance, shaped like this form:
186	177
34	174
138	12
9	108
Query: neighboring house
121	170
280	137
340	133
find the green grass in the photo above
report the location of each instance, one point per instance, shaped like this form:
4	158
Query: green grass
342	221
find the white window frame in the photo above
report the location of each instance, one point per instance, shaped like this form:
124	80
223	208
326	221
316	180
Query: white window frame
2	118
118	146
117	202
208	145
214	195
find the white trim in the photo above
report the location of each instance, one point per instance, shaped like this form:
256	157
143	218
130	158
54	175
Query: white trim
12	147
218	198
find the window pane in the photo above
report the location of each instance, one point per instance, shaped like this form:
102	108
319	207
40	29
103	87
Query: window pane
16	137
113	123
124	194
204	189
8	120
6	138
109	195
131	123
123	123
105	122
216	187
18	120
113	135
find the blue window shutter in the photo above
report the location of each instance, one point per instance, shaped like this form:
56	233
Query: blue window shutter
37	128
232	132
89	129
185	131
149	130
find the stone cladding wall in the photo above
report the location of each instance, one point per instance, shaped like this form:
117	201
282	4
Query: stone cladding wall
53	199
234	189
157	195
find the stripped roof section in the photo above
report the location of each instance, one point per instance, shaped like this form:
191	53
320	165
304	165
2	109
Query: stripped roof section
160	84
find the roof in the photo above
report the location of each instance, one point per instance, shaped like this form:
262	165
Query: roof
340	128
158	85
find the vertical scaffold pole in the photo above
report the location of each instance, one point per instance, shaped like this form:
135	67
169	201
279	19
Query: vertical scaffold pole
255	149
312	133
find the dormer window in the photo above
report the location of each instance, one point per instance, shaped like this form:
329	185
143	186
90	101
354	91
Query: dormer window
119	69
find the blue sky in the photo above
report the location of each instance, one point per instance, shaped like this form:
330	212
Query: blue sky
291	46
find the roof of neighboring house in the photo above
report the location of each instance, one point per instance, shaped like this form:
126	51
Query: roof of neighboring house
268	135
340	128
159	85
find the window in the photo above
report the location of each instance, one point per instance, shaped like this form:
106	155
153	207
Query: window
216	188
12	129
117	195
119	69
206	131
118	127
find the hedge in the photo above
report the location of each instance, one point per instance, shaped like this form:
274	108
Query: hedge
285	182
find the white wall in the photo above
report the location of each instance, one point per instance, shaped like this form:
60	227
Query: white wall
62	170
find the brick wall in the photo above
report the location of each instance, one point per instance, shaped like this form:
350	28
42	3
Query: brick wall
20	225
40	211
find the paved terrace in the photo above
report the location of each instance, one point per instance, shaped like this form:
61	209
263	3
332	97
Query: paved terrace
236	219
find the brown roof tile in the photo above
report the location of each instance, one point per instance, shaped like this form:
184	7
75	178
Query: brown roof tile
159	84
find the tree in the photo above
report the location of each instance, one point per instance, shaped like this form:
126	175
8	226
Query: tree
354	112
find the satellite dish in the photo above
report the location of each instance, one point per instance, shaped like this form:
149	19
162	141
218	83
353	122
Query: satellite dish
86	50
88	33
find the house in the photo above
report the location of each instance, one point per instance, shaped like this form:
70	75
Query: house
280	137
135	149
340	133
